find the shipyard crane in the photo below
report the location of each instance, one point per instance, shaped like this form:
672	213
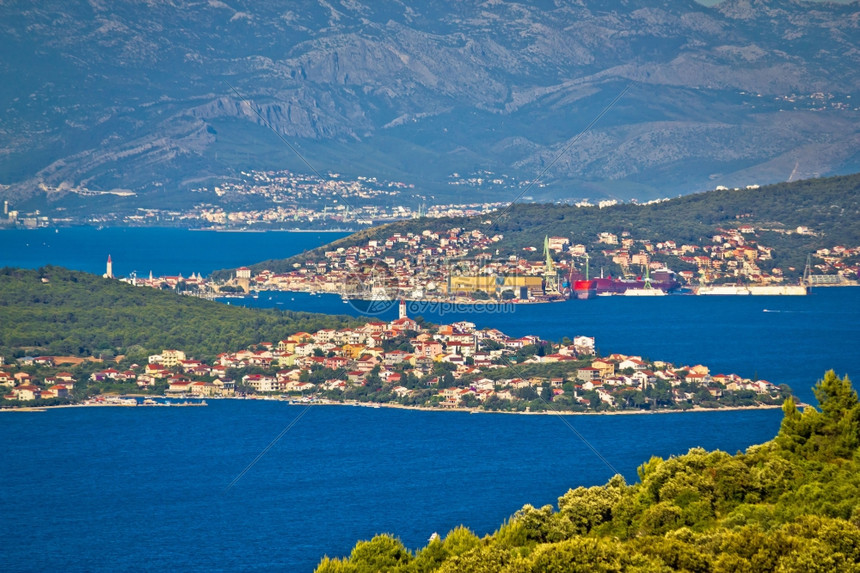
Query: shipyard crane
550	274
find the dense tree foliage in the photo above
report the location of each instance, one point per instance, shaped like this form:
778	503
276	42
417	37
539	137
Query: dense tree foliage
792	504
53	310
828	206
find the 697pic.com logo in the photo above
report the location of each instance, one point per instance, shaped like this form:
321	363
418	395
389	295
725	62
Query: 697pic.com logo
371	288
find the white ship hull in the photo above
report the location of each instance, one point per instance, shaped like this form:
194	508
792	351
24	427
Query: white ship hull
766	290
644	292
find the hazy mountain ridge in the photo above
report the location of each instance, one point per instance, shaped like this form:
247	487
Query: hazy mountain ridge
122	94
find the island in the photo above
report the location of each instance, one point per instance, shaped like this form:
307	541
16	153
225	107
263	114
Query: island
404	362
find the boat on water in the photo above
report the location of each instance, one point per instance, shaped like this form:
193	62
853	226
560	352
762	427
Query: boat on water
647	289
662	280
110	401
584	289
755	290
581	287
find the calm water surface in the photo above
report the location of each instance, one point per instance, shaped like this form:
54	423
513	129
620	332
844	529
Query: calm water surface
126	489
165	252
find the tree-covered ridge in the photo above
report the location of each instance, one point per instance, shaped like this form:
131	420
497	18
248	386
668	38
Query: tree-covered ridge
792	504
53	310
829	207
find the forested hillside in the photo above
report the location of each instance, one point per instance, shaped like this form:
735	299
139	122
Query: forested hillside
53	310
829	207
792	504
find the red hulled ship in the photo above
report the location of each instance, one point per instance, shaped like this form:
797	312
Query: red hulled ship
584	288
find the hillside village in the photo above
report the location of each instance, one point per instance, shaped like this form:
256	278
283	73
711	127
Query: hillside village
405	363
463	263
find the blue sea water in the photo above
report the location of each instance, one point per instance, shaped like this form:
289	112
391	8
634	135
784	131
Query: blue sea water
164	251
128	489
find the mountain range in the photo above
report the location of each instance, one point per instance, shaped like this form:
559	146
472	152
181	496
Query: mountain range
622	99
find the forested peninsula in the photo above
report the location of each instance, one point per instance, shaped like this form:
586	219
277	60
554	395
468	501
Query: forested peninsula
53	310
791	504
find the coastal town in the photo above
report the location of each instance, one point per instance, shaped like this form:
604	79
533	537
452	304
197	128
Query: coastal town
468	265
402	363
266	200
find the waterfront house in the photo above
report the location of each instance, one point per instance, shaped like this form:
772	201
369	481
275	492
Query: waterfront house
605	396
289	375
178	385
401	391
334	384
300	387
48	393
450	397
27	392
203	389
225	387
260	382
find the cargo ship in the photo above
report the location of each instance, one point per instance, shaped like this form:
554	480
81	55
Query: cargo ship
581	287
766	290
662	279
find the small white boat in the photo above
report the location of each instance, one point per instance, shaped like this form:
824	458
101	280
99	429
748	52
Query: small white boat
644	292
